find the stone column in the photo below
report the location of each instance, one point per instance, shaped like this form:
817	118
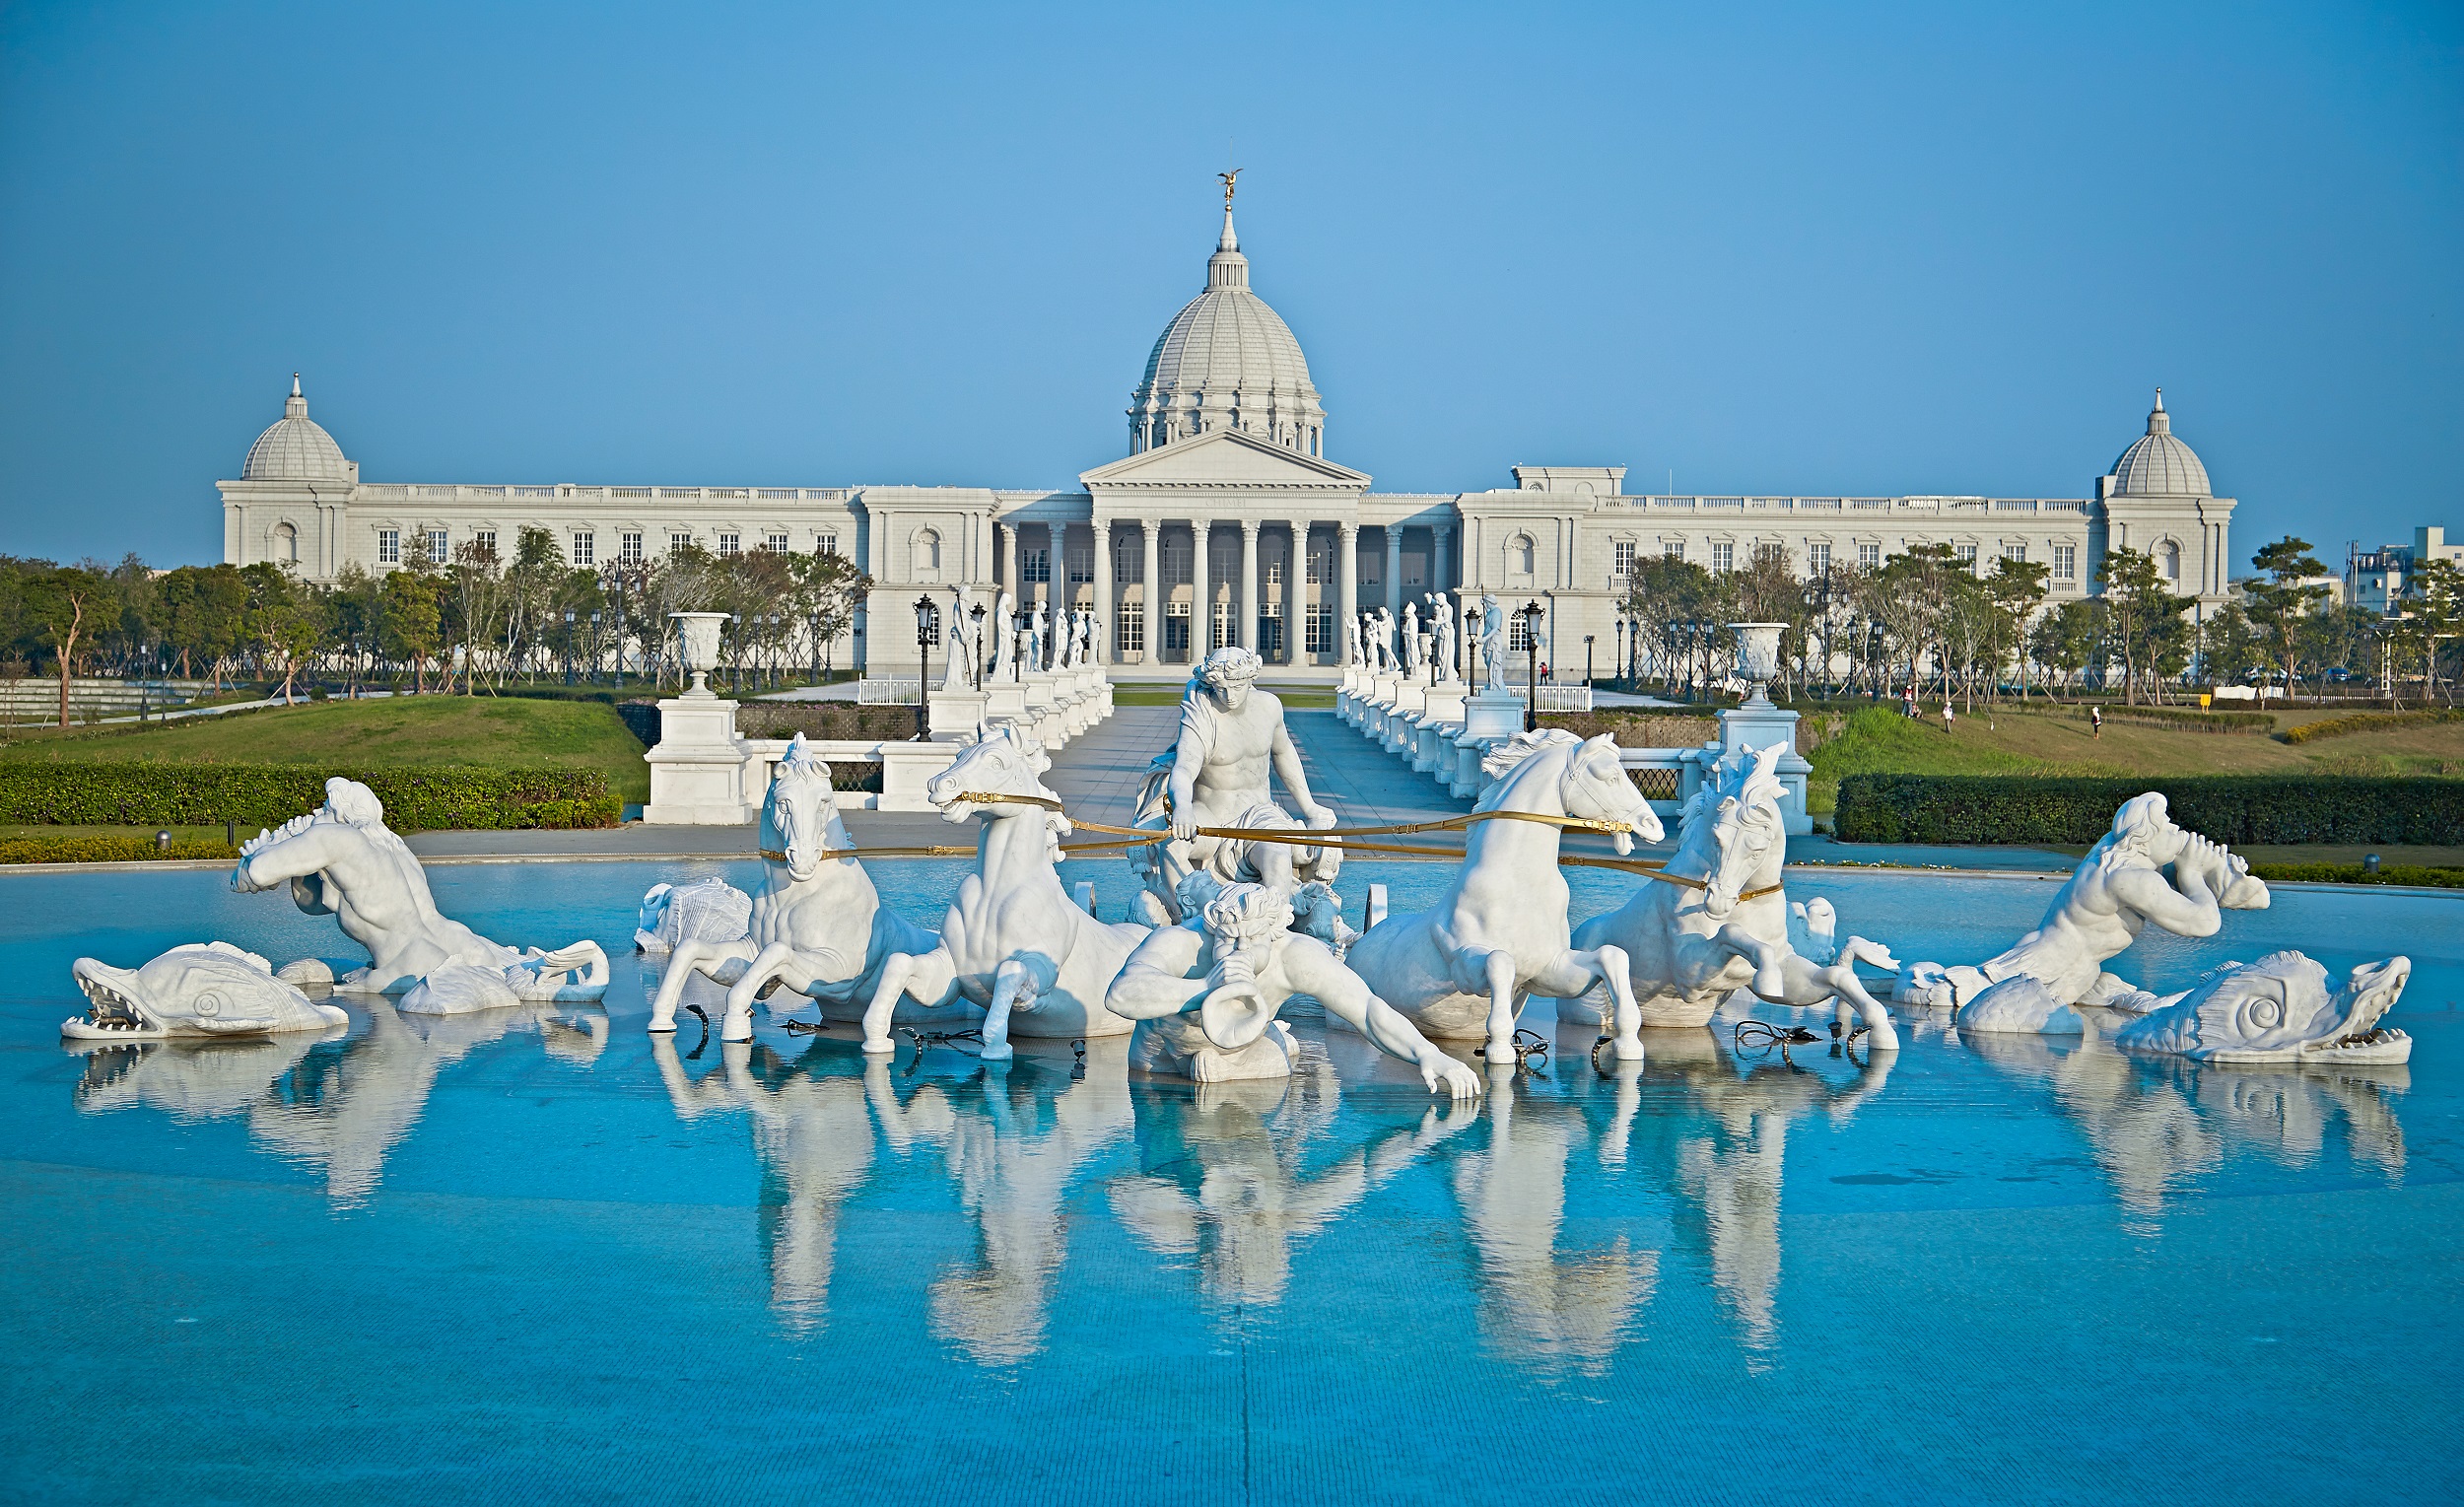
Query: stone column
1440	537
1009	565
1057	571
1201	599
1105	610
1395	569
1247	628
1348	583
1151	594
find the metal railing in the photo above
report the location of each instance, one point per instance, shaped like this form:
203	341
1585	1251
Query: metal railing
888	693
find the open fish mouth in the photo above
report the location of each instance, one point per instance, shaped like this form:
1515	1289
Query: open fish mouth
110	1012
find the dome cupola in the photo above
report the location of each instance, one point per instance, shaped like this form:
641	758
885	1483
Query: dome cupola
296	449
2158	464
1227	362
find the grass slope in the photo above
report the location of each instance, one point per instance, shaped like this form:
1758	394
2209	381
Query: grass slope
396	733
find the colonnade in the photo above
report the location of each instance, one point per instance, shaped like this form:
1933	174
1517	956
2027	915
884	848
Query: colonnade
1250	603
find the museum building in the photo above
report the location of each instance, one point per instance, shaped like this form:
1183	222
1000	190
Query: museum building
1226	511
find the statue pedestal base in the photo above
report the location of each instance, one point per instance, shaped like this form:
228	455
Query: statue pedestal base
1492	713
1758	724
1441	714
1004	701
953	716
697	771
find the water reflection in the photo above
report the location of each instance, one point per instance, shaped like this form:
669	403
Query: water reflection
2158	1125
336	1103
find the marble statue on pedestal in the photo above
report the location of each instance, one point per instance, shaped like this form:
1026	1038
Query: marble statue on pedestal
1231	746
1412	638
1493	642
342	860
1205	993
1442	637
1005	637
1035	640
1352	657
1386	642
2117	891
209	989
958	635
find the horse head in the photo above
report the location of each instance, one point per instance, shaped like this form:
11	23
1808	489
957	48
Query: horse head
1000	773
797	812
1742	802
1591	781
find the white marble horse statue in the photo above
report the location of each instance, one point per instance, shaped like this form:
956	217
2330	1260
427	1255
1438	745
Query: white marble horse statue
1013	941
1718	922
818	926
1464	968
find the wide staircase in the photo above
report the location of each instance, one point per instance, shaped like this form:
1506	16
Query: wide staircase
33	699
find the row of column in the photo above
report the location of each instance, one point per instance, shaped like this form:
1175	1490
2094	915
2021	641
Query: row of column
1202	605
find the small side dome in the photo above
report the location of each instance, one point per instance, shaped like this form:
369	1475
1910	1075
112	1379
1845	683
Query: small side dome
296	448
2158	464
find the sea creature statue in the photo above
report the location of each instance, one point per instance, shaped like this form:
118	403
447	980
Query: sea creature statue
817	926
1718	920
1442	637
342	860
1013	940
1464	968
1493	642
958	635
1005	637
705	911
1204	993
1231	746
2117	891
1412	638
2280	1010
211	988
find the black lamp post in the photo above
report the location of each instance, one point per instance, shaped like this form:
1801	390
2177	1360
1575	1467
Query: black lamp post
1620	641
569	645
594	648
1529	612
975	616
1587	661
1471	647
923	667
1019	618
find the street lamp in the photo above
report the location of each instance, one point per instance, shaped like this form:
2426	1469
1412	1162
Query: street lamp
1587	661
975	615
1529	612
1470	646
569	645
594	648
1019	618
923	667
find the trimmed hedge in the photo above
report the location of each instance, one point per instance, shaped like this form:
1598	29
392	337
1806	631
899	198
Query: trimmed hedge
90	848
1637	729
445	797
2354	873
2183	716
2236	809
2365	721
825	720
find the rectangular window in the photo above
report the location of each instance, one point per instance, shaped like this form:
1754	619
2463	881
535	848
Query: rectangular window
436	549
1623	564
1675	551
731	544
1317	630
677	544
1176	562
1869	557
388	546
1518	636
777	544
1130	628
2066	562
1081	560
1321	565
1271	637
1766	552
1275	573
1370	565
1128	564
1818	559
1177	609
1966	553
1416	567
1223	626
485	539
629	549
1723	556
586	548
1036	566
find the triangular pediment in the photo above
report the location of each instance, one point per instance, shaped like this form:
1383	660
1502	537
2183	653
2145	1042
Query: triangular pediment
1224	458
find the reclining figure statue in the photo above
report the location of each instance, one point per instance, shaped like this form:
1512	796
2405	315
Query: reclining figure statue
342	860
2117	891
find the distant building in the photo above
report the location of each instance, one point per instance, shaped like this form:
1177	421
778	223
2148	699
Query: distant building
2377	579
1227	522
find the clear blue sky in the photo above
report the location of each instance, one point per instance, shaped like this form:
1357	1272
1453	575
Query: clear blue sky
1795	249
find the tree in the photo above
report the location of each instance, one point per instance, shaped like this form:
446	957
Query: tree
63	604
414	628
2283	602
2433	614
2144	626
823	592
2064	639
287	618
1669	600
203	611
2016	588
2230	646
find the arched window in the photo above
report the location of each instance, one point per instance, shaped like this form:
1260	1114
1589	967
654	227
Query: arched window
2171	557
1519	553
285	544
928	555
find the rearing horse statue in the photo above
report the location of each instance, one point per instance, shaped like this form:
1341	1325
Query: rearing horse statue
818	926
1717	922
1464	968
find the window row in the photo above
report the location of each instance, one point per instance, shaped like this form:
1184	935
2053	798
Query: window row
582	546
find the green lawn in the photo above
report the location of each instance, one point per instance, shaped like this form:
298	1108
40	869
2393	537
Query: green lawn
504	732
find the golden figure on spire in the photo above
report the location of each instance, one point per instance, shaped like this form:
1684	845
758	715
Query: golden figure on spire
1228	179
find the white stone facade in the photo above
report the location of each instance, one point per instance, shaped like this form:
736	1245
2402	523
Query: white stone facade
1227	445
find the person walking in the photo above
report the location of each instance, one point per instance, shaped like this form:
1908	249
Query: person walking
2096	721
1947	716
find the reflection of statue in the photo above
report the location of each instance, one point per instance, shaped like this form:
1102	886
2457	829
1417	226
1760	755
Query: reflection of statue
1205	993
1218	773
1412	638
957	635
1004	635
1442	637
1494	642
2118	890
343	861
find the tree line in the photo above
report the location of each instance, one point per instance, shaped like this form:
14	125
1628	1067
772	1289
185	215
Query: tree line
1951	625
468	625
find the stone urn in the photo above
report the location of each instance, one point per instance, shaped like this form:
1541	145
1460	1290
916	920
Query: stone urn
697	642
1757	656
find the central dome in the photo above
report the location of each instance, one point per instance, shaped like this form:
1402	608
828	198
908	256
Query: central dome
1227	360
296	448
2158	464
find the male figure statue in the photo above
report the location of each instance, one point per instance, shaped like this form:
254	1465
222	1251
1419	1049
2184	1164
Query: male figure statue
1035	641
1493	642
1220	773
1004	635
2117	891
1442	636
1386	641
1411	637
1351	645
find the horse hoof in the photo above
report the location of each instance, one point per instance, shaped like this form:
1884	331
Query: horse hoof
662	1028
995	1052
881	1048
1627	1050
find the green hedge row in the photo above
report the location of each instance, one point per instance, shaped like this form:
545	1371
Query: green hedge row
2363	722
142	794
89	849
2353	873
2185	717
2234	809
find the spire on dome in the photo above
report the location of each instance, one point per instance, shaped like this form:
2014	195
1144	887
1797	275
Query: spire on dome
1228	242
295	406
2159	421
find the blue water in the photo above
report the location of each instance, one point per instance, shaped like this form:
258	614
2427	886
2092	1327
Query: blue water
537	1257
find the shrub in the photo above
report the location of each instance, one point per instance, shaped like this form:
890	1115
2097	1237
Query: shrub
824	720
2187	717
2354	873
2365	721
2233	810
103	794
1637	730
91	848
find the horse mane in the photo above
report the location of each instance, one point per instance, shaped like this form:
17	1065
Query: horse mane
1509	754
1744	773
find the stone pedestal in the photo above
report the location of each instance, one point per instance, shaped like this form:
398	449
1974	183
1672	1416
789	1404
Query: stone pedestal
1005	701
1492	715
1402	714
953	716
905	770
1044	709
1441	716
697	769
1757	724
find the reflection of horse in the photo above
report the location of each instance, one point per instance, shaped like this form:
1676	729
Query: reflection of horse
1689	945
818	926
1013	939
1464	968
